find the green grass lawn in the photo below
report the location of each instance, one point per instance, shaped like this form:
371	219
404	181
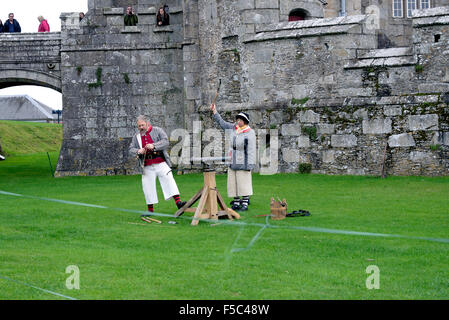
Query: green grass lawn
121	258
20	137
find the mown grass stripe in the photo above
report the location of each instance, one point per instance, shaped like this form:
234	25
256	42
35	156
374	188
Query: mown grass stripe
240	223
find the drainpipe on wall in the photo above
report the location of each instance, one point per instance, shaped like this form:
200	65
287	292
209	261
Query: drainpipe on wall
342	8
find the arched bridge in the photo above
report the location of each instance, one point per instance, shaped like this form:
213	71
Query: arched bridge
30	59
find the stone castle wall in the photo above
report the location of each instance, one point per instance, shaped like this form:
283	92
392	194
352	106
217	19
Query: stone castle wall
111	74
335	100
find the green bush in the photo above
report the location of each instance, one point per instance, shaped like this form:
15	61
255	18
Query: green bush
305	167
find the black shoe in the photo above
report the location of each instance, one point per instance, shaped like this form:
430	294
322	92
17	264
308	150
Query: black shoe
145	215
236	206
234	202
180	204
243	207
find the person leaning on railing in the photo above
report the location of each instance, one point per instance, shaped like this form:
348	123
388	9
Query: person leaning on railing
162	18
130	17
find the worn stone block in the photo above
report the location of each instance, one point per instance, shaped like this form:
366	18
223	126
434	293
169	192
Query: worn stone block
423	122
328	156
309	116
290	155
401	140
343	140
291	129
376	126
325	128
303	142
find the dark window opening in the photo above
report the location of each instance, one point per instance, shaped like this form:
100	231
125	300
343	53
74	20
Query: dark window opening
298	15
437	37
267	141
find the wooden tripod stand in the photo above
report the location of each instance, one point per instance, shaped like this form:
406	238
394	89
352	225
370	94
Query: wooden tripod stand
209	198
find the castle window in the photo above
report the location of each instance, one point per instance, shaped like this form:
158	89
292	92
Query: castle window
411	5
399	5
297	15
397	9
425	4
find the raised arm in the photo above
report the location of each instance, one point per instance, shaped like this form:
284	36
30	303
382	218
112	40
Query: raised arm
223	124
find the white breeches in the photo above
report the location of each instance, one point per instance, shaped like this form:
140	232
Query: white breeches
168	184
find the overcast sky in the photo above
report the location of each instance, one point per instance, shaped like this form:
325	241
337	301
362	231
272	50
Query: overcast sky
26	13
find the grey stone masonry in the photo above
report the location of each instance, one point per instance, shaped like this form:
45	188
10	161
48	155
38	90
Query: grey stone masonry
376	126
401	140
291	129
332	92
423	122
343	140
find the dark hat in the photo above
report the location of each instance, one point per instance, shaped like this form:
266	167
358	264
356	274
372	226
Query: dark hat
244	116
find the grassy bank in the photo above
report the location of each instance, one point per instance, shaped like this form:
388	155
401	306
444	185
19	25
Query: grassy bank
18	137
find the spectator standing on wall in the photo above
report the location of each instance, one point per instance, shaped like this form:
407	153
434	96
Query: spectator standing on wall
81	16
130	18
1	26
43	26
11	25
162	18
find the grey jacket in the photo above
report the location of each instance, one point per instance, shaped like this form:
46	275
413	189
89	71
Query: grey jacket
160	144
243	145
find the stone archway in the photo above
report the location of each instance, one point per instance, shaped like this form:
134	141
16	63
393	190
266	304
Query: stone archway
298	14
16	77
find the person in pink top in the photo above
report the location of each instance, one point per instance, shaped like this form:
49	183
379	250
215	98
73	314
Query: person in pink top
43	26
